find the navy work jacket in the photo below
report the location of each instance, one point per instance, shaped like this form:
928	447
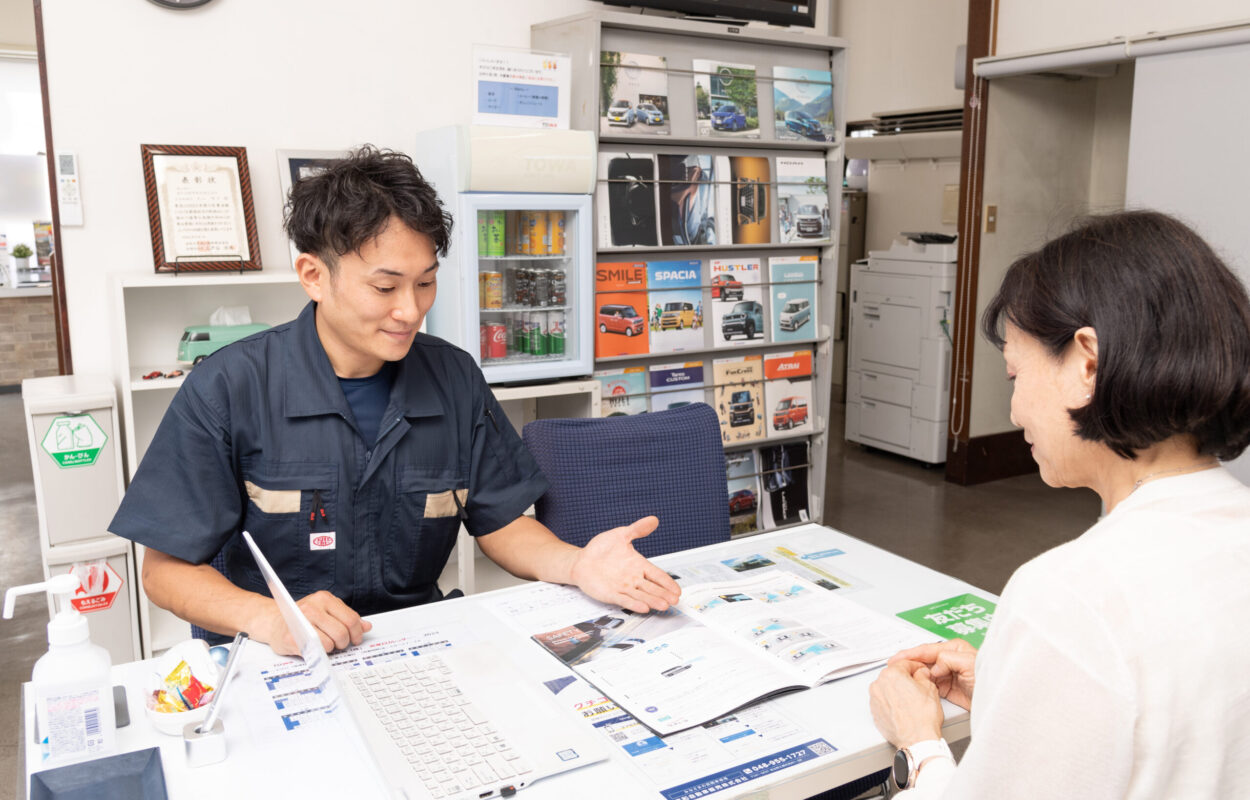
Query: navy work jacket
260	437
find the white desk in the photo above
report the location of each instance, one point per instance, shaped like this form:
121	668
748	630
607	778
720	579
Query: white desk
323	765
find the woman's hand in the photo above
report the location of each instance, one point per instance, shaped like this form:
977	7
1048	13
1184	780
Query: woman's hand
952	667
905	704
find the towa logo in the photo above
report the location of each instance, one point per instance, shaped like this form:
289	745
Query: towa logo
322	541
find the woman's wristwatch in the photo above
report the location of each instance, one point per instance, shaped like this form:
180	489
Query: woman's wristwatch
909	760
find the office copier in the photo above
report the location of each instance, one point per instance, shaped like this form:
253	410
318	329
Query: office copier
898	369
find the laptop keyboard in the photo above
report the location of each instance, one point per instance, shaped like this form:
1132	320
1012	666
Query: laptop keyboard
448	742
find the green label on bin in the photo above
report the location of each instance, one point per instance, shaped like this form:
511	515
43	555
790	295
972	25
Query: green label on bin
74	440
964	616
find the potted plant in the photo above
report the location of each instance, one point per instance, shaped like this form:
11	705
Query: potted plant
22	254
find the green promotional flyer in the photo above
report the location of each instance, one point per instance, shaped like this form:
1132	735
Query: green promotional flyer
964	616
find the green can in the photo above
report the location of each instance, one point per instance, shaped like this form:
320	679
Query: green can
496	233
483	235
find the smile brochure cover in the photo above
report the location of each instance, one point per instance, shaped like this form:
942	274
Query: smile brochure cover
621	309
788	393
803	104
743	483
726	99
676	305
802	200
739	398
676	385
793	290
633	93
737	302
623	392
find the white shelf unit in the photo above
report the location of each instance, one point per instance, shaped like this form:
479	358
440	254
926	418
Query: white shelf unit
680	42
151	312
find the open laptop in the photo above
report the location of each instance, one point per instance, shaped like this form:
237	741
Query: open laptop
442	725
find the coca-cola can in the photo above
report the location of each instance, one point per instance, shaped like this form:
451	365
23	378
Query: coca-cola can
484	337
496	340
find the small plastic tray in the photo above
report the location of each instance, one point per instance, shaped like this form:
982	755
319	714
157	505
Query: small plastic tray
127	776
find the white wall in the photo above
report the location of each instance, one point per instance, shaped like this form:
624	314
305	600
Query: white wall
1203	180
901	54
267	75
907	196
1025	25
17	25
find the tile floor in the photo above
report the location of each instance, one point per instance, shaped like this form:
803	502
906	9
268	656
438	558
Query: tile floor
977	533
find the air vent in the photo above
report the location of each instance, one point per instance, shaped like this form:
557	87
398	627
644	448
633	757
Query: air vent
920	121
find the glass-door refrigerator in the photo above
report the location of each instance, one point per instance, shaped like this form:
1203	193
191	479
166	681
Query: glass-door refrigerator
516	288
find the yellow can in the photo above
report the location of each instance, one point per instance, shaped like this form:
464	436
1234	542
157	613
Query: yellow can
555	231
540	242
523	233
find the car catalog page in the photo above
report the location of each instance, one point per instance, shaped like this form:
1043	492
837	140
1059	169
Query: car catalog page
746	629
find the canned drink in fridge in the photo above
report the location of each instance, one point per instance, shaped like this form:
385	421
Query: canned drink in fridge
511	227
539	241
559	289
496	233
537	329
519	291
542	287
481	290
555	232
482	241
523	233
555	333
492	289
520	344
496	340
483	335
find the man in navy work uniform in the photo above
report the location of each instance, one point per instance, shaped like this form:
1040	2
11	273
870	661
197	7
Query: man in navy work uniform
349	445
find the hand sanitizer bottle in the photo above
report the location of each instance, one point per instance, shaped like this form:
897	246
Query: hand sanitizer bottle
73	687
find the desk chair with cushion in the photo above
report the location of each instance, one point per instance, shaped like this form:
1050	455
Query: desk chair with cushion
609	472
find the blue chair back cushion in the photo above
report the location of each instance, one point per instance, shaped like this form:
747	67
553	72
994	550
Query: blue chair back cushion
609	472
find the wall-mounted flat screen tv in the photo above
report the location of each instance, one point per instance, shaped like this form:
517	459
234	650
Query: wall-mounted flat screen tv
778	12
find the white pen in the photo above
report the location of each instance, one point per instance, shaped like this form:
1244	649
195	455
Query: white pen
213	711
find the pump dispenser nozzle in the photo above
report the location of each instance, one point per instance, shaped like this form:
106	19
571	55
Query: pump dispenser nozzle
62	585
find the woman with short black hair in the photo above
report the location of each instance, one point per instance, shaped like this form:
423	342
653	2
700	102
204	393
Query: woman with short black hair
1115	664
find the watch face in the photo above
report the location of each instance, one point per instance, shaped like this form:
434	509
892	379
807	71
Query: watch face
902	769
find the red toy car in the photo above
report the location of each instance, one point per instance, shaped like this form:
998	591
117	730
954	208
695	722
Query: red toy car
156	373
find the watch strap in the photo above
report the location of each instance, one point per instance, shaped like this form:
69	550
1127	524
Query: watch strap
920	752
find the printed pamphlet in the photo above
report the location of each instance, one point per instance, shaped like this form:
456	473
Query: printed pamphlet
802	200
626	198
783	473
624	391
633	91
739	398
742	197
737	302
788	393
621	306
803	104
743	482
676	385
687	200
676	300
793	291
726	101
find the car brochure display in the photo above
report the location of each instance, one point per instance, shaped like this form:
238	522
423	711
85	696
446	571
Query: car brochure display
788	393
758	626
742	200
676	385
633	92
725	99
623	391
620	309
676	302
687	200
802	200
793	289
625	196
743	483
784	471
737	302
739	398
803	104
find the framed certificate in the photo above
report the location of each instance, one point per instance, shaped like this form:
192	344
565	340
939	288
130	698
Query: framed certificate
294	165
200	208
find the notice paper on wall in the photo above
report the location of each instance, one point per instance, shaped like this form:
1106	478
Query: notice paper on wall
520	88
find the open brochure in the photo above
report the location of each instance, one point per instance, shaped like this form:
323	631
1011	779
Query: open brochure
726	645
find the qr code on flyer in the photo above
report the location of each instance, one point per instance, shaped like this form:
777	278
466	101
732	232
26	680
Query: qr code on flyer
821	748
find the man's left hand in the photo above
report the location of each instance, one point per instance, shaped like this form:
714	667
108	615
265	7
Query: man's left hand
610	570
905	704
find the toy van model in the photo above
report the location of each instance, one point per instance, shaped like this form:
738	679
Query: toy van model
200	341
624	319
746	319
795	314
741	409
790	411
726	287
677	315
